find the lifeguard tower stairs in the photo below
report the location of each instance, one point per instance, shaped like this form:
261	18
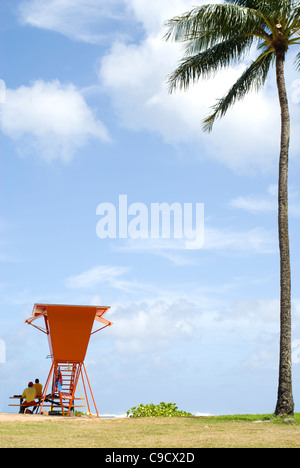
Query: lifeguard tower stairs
68	329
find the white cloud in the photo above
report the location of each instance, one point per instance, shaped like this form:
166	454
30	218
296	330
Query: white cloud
135	76
112	276
2	92
266	310
254	205
262	358
154	14
267	203
81	20
296	91
95	276
151	326
88	20
256	240
247	138
52	119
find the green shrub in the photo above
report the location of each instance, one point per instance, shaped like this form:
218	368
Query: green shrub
166	410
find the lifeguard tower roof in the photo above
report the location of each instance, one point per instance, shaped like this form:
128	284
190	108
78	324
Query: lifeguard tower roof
69	328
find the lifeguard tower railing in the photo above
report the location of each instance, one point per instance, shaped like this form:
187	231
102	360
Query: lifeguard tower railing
68	329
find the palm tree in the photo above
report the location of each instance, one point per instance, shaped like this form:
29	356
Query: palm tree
217	36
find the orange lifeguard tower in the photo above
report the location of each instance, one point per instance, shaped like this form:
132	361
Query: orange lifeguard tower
69	329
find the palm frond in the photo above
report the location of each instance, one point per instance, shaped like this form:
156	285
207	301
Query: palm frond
207	63
219	35
297	61
216	19
272	11
294	21
253	78
267	7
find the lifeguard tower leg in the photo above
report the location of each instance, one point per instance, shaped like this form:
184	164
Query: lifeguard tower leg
90	390
42	401
86	397
61	403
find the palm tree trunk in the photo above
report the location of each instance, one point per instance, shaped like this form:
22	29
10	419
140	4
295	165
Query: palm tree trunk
285	401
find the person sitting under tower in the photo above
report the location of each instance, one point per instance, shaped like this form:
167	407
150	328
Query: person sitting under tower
39	388
29	394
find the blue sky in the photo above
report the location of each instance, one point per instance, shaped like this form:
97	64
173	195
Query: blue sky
87	118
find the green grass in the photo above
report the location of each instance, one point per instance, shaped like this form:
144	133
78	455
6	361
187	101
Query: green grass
258	417
239	431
